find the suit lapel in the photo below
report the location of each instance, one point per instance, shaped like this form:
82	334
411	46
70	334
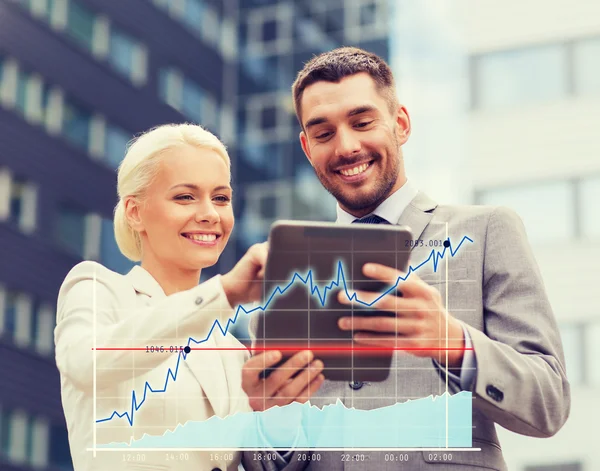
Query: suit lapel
418	214
206	366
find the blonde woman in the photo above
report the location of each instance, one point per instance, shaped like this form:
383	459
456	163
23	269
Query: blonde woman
175	217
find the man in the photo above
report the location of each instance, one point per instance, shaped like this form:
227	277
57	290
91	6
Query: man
505	344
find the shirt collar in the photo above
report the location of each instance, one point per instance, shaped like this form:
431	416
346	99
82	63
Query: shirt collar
391	209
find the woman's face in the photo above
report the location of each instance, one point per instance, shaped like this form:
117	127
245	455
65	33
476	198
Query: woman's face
186	216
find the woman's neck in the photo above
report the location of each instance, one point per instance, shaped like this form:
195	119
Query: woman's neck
171	279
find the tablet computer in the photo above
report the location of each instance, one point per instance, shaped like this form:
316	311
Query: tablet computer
308	264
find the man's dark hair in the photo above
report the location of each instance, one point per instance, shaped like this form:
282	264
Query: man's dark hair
343	62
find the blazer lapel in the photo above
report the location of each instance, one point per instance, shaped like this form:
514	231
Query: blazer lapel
205	366
418	214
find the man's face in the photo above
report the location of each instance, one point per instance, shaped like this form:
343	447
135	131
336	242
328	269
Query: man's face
353	141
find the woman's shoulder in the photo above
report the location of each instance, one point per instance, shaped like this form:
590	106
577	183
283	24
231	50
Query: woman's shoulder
86	274
89	270
87	280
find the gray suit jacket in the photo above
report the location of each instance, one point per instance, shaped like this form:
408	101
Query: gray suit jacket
495	288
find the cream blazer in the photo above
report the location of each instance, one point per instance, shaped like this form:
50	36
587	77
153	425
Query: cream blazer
99	307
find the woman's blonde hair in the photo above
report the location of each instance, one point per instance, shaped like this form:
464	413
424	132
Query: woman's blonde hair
140	166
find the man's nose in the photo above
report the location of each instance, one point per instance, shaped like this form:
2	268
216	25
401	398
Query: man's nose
347	143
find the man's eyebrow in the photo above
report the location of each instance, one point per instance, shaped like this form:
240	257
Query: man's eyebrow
353	112
315	121
360	110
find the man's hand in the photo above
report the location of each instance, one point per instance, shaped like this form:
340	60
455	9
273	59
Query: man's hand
281	388
419	324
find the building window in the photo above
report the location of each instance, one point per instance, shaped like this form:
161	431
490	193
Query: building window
311	200
24	439
170	83
589	197
22	95
188	97
127	56
196	15
115	146
76	125
547	208
80	24
587	66
18	201
42	327
15	436
78	232
520	77
193	15
29	94
60	456
269	201
95	34
366	20
21	205
227	124
269	117
270	29
192	101
228	43
38	441
9	304
15	317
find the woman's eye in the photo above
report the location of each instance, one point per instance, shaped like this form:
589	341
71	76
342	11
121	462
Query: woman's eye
222	199
184	197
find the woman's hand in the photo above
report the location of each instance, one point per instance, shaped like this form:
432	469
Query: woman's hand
294	381
244	283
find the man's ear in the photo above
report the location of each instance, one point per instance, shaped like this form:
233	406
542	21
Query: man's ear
403	127
305	148
132	213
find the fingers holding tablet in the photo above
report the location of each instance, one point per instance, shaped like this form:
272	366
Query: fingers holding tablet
295	380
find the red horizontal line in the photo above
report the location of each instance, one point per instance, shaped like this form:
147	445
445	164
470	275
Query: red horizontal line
293	349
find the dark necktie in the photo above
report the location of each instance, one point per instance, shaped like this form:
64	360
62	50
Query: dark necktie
371	219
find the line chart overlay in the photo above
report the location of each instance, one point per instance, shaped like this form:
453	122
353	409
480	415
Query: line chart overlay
435	256
334	426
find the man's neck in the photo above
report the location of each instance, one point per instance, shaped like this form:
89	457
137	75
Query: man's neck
363	212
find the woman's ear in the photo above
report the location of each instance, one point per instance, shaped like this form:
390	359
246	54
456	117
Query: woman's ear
132	213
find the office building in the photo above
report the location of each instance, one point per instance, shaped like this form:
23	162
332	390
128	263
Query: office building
78	79
505	100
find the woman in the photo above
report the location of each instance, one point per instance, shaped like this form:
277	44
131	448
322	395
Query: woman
174	215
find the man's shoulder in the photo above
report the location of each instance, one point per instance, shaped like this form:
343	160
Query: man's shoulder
475	213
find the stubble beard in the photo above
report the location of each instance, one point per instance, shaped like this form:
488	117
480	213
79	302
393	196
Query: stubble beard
359	200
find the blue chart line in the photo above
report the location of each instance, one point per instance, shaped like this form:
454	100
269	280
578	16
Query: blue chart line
435	256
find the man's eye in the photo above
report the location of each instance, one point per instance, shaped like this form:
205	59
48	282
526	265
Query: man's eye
363	124
323	135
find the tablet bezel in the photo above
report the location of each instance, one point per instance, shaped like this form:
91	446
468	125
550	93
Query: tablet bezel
352	245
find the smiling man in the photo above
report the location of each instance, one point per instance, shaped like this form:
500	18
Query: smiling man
492	309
